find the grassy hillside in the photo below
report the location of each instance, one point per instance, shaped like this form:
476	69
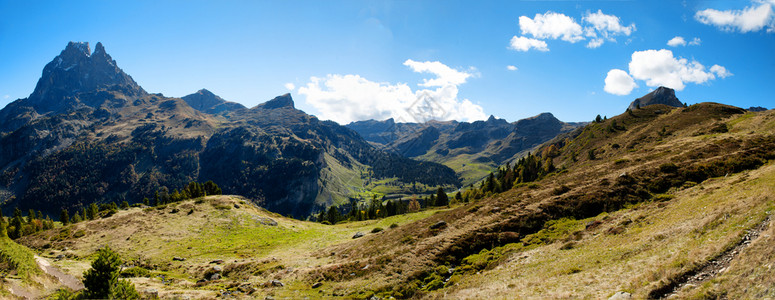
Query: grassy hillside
648	203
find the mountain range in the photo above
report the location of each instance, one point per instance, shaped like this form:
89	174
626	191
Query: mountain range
89	133
472	149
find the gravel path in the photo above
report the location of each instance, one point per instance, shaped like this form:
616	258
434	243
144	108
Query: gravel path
65	279
712	268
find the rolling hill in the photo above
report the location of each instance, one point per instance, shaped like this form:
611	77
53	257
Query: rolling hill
654	202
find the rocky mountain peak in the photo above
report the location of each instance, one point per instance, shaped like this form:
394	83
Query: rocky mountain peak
77	48
662	95
278	102
205	101
76	71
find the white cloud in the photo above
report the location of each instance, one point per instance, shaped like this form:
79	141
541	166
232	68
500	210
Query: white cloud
661	68
551	25
720	71
695	42
618	82
511	68
751	18
608	25
594	43
290	86
444	74
348	98
524	44
676	41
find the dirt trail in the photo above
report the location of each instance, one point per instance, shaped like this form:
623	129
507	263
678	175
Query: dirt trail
712	268
65	279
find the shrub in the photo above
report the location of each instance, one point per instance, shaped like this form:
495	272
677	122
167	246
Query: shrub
394	225
135	272
376	229
561	190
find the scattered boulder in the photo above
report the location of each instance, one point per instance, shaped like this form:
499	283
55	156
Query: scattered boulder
358	234
317	285
217	261
621	296
60	257
215	276
217	269
176	258
439	224
274	283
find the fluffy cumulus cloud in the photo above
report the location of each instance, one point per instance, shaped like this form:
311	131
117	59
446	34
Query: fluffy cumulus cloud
348	98
695	42
290	86
551	25
676	41
524	44
661	68
618	82
720	71
758	16
601	27
444	74
597	26
511	68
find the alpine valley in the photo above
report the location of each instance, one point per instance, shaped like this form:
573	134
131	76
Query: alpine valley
223	201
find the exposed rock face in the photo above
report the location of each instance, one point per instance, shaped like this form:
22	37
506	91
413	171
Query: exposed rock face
76	72
207	102
283	101
661	95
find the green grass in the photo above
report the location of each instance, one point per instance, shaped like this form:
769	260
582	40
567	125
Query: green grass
19	258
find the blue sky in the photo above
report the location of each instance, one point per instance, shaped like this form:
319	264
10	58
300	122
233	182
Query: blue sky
351	60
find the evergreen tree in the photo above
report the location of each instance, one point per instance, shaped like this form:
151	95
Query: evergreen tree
124	290
3	227
64	217
598	119
155	199
30	215
92	212
124	204
146	201
211	188
76	218
103	275
18	226
333	215
441	197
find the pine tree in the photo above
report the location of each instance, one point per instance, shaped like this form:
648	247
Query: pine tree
64	217
103	275
92	212
76	218
598	119
30	215
441	197
124	204
3	227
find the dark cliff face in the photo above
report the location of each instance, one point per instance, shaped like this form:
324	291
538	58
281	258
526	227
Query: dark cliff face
89	133
662	95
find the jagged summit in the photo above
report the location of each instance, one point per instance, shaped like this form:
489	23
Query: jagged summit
207	102
662	95
76	71
278	102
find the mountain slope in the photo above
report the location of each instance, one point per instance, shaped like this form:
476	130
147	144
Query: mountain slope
89	133
648	207
472	149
